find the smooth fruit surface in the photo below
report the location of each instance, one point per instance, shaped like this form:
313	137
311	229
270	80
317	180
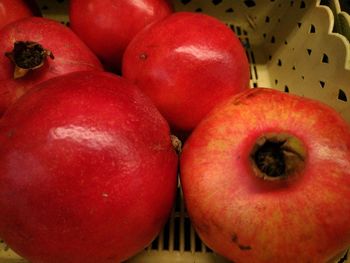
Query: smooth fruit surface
187	63
70	55
302	216
12	10
108	26
87	169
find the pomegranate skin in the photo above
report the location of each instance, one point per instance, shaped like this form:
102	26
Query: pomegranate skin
87	169
187	63
108	26
70	53
302	218
12	10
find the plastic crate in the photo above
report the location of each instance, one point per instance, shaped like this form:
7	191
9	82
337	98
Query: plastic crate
291	47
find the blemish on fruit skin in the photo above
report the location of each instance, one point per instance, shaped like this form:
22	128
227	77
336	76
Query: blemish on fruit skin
143	56
10	133
234	239
246	95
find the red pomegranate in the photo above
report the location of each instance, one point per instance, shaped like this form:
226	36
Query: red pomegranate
12	10
35	49
108	26
187	63
266	179
87	169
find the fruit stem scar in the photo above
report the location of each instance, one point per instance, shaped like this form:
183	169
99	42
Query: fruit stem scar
27	55
277	156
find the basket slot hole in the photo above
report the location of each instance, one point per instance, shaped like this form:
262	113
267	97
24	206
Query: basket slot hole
279	63
199	10
312	29
198	243
249	3
293	68
253	59
166	233
325	59
245	43
255	85
273	40
264	35
267	19
229	10
276	81
270	57
322	84
238	31
344	258
309	51
185	2
155	243
342	95
216	2
291	3
302	4
187	224
176	233
299	24
286	89
302	77
285	42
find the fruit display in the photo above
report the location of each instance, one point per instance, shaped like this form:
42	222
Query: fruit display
108	26
186	74
265	177
88	170
173	131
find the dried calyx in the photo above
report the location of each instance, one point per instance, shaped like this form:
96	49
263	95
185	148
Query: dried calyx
277	156
27	55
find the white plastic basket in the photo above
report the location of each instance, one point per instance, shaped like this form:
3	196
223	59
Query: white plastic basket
291	47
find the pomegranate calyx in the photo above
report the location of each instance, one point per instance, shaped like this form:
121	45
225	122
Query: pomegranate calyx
27	56
277	156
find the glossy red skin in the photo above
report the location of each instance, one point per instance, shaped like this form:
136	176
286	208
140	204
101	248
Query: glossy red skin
71	55
108	26
87	169
186	64
12	10
301	220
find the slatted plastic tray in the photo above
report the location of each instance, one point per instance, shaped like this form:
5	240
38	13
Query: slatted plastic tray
291	47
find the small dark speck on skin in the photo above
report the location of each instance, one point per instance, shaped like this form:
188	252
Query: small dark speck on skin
242	247
10	133
143	56
234	239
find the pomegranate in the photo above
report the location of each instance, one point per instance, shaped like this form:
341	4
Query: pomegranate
186	63
12	10
37	49
108	26
266	178
87	169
